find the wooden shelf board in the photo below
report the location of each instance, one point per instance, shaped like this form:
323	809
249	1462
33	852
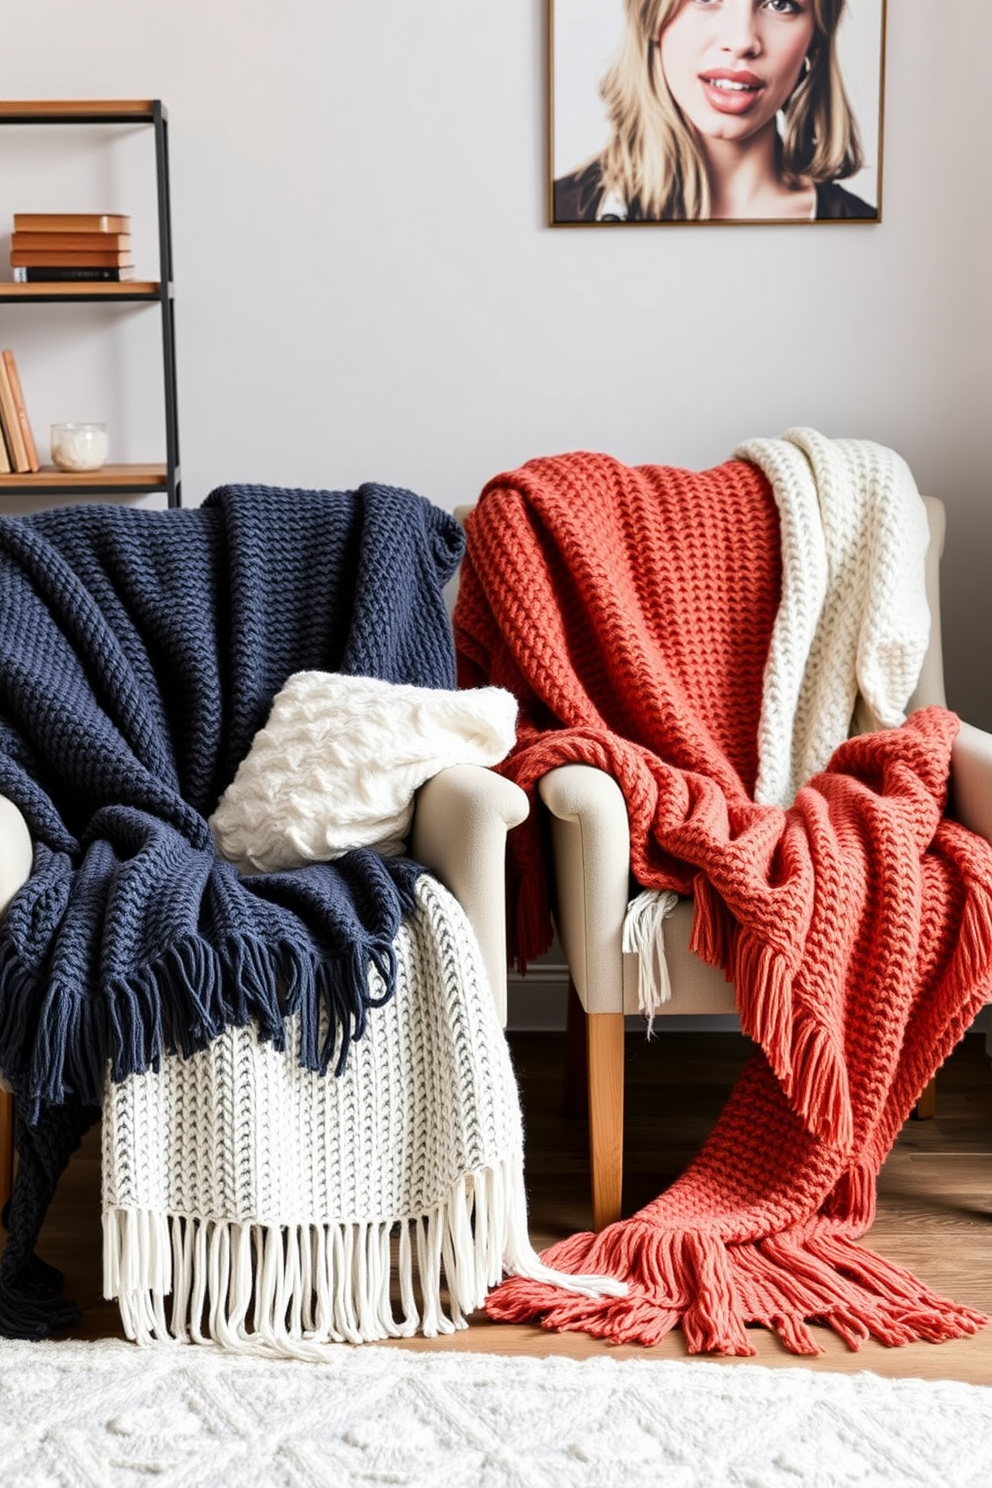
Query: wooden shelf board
41	110
151	477
89	289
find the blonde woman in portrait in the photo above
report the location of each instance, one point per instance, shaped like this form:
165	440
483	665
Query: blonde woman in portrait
722	109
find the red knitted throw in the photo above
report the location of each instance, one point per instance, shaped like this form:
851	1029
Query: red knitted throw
630	611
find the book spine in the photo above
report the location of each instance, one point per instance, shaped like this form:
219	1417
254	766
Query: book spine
5	466
14	378
35	274
90	222
11	426
37	258
53	242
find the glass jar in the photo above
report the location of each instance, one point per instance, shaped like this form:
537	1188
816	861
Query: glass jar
79	446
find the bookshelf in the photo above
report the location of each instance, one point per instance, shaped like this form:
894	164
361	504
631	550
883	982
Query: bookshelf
132	479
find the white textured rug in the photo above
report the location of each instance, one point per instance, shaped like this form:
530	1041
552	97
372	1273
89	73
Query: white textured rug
88	1414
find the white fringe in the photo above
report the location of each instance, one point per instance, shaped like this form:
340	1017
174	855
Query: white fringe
643	933
293	1290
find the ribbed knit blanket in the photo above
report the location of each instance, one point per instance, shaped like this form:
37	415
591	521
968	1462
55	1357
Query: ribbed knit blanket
141	653
257	1205
632	612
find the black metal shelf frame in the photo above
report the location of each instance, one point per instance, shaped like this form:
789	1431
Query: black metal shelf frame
156	115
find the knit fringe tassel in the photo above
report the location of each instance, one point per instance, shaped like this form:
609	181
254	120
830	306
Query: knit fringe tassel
714	1290
180	1003
804	1052
291	1290
644	935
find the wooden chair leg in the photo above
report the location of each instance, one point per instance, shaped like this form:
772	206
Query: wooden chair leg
6	1146
604	1046
575	1081
926	1106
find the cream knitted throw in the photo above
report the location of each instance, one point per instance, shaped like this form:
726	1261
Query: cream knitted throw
853	622
250	1202
853	617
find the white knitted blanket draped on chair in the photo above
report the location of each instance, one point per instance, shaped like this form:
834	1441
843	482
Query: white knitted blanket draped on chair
270	1208
851	630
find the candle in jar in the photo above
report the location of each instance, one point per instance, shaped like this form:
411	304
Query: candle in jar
79	446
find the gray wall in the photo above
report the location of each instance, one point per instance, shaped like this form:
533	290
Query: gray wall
366	288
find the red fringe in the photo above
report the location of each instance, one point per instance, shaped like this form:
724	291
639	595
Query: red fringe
530	931
807	1058
817	1087
852	1200
713	927
763	980
715	1290
973	953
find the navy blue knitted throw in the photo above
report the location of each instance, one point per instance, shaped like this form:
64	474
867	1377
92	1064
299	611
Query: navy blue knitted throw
140	653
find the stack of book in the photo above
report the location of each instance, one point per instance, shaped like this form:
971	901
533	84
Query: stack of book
50	247
17	448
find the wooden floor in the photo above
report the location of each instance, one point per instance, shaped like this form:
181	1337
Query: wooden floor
934	1212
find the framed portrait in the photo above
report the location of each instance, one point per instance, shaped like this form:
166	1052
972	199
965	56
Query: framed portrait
710	111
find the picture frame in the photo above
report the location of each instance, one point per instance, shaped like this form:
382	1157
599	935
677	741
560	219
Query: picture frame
704	112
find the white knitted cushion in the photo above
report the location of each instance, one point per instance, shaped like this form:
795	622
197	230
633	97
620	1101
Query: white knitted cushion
339	761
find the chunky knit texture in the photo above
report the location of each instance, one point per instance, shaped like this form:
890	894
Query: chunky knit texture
631	611
340	760
853	618
256	1205
850	632
140	655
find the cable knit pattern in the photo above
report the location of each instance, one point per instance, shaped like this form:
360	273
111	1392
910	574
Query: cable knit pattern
339	760
237	1184
854	614
632	612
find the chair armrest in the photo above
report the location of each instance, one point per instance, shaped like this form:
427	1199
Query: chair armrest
590	837
16	852
929	689
460	822
16	858
971	780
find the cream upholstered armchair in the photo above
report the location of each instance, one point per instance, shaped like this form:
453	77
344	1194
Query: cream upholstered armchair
460	823
590	842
